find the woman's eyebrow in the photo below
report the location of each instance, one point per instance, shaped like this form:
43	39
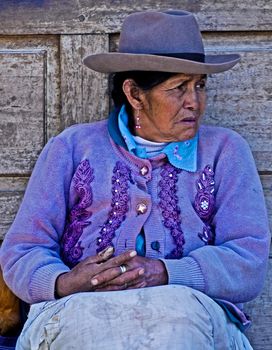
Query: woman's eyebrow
180	80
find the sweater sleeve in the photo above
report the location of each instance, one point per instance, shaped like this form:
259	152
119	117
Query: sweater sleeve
30	253
234	268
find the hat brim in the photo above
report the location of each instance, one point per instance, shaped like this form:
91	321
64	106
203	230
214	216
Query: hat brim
120	62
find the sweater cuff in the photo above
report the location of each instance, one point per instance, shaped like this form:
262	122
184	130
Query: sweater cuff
185	271
42	284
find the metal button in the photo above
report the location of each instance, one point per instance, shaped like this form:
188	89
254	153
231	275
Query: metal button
144	170
155	245
141	208
98	240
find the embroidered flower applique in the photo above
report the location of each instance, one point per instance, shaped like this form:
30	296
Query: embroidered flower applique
119	205
170	209
80	214
205	202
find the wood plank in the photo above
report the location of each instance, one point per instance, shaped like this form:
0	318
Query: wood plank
95	85
22	109
90	16
11	194
241	98
71	79
84	92
260	311
49	46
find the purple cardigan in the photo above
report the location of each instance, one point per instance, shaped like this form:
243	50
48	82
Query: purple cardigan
209	227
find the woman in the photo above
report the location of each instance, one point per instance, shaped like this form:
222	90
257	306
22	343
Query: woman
149	198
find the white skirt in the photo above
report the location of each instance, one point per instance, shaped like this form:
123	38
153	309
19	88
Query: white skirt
165	317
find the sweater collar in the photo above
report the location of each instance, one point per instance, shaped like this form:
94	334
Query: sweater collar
182	155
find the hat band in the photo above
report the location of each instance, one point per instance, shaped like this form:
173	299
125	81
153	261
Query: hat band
192	56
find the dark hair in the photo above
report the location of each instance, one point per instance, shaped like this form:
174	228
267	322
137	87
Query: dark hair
145	81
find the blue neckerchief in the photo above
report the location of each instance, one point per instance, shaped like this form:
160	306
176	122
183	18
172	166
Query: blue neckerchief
182	155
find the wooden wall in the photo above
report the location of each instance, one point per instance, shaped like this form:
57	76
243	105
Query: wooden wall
44	87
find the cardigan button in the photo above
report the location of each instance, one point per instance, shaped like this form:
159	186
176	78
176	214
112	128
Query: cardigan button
155	245
144	170
98	240
141	208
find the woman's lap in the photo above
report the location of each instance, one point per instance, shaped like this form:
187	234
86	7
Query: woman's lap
166	317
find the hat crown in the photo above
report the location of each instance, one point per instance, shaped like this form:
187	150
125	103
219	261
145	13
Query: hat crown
161	42
161	33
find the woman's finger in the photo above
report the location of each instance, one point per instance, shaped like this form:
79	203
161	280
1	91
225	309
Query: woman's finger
104	260
141	284
129	276
124	286
120	259
106	276
103	279
102	256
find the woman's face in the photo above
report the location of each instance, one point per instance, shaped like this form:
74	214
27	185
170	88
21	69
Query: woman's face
172	110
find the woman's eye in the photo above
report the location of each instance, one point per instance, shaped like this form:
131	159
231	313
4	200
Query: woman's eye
181	87
201	85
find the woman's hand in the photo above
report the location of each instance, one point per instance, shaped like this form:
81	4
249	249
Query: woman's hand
86	275
151	272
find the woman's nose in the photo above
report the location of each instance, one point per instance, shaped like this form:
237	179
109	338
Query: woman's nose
191	99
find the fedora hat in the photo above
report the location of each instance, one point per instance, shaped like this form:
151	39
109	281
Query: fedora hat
161	41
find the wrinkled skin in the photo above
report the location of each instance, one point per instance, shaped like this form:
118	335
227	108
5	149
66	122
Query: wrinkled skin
102	273
172	110
169	112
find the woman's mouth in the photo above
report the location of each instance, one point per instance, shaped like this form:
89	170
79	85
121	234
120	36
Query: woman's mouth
190	120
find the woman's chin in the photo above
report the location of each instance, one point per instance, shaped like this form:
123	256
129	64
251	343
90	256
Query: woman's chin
190	134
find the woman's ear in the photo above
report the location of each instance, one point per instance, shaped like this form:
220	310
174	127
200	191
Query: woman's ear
133	93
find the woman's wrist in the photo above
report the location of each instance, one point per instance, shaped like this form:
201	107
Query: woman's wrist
60	286
163	272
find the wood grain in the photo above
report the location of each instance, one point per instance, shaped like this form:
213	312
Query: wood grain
84	92
48	47
241	97
11	194
95	85
71	79
29	100
22	109
106	16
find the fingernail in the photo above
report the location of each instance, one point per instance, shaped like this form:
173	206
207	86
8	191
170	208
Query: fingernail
133	253
94	282
141	272
107	251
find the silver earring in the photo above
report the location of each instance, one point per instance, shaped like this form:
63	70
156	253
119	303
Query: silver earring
138	125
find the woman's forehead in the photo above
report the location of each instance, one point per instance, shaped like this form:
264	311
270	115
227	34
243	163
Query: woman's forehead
183	76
